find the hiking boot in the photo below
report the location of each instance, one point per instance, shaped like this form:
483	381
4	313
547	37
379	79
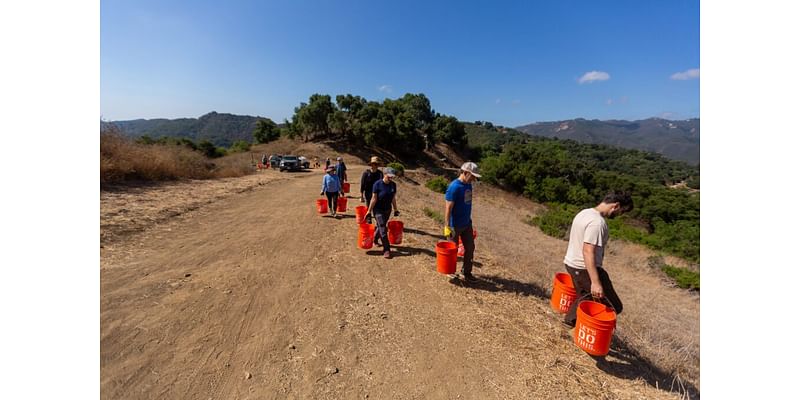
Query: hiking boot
387	254
468	277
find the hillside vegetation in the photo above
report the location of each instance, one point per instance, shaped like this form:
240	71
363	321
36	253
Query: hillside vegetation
220	129
123	159
564	174
677	140
567	176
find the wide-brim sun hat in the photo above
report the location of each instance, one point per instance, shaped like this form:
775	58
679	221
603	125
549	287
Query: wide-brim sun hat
330	168
374	160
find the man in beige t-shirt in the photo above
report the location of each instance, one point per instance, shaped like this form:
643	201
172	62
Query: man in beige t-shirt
588	238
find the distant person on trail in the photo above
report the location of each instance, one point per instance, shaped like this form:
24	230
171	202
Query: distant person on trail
341	170
327	163
368	178
316	162
264	160
383	201
588	238
331	188
458	214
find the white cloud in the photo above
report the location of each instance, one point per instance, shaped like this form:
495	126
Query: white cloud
693	73
592	76
385	88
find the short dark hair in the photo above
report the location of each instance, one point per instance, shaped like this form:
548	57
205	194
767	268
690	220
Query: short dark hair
623	198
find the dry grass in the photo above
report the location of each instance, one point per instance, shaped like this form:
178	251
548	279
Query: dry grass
122	160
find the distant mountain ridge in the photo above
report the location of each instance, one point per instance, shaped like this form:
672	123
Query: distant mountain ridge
678	140
222	129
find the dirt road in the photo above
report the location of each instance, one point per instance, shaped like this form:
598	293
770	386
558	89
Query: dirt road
253	295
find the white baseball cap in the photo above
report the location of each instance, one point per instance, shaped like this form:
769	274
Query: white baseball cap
472	168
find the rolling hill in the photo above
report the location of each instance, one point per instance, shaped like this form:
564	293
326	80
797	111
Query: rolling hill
679	140
221	129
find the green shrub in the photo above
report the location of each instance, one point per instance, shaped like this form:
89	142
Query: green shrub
239	146
683	277
557	220
397	166
438	184
435	215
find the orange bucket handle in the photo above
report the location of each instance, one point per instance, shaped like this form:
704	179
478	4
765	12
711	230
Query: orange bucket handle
597	299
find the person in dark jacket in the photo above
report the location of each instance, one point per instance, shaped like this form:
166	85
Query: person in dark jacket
341	170
368	178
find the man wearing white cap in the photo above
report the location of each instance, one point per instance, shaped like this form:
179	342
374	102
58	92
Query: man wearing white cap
383	200
458	214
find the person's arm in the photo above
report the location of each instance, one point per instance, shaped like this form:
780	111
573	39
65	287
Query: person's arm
364	178
324	184
448	209
372	204
394	203
588	260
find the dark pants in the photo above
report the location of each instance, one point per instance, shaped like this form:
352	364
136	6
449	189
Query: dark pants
381	220
465	233
367	198
583	288
333	198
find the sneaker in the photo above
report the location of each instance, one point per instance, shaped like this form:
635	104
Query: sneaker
387	254
469	277
377	241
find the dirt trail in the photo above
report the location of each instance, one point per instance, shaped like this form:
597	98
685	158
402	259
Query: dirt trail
254	295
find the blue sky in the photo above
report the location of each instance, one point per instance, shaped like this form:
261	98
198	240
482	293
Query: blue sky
507	62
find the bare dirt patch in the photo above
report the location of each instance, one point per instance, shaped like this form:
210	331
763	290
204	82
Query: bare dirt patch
248	293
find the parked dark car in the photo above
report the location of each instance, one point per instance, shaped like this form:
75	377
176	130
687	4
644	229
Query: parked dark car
291	163
275	161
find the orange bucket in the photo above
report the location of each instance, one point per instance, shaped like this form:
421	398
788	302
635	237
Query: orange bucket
395	232
361	214
446	257
346	187
322	206
563	293
341	204
594	327
365	236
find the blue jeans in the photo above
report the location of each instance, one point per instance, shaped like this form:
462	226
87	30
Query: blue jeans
381	230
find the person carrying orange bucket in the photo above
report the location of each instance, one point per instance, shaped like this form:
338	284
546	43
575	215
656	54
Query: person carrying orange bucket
383	200
583	261
458	215
331	187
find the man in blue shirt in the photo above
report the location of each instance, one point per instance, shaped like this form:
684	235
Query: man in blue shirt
458	214
383	200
